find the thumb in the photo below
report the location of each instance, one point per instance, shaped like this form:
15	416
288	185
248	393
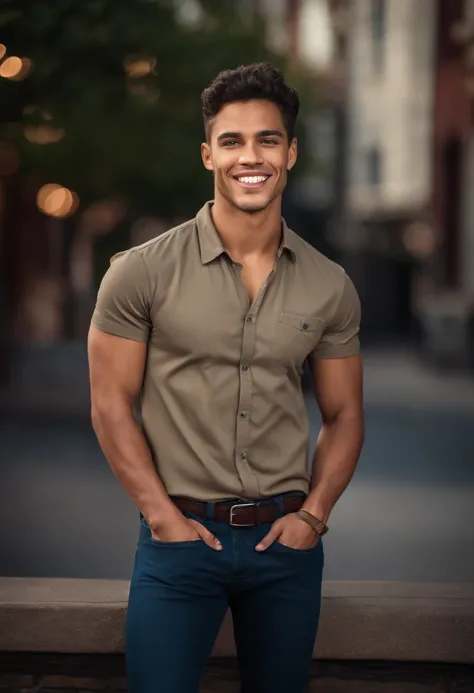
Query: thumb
268	540
207	536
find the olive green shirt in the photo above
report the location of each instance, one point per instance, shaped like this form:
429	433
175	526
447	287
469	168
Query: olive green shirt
222	405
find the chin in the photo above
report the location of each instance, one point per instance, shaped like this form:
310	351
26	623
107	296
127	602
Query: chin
252	206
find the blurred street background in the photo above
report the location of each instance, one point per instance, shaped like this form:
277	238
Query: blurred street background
100	132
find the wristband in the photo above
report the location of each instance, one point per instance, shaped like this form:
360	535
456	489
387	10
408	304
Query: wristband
315	523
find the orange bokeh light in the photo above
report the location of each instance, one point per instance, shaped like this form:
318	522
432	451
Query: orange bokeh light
15	68
140	67
56	200
11	67
43	134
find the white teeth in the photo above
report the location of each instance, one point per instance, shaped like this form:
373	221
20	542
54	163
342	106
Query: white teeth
252	179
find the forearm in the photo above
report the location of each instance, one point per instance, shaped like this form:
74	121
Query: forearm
125	447
337	452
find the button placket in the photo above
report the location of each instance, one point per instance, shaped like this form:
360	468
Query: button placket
248	478
242	440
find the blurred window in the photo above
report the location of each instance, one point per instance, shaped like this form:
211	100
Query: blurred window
378	18
374	166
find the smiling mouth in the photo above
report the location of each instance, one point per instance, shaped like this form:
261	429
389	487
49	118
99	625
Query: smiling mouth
252	182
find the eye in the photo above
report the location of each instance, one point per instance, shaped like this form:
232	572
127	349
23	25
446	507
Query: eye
269	141
229	143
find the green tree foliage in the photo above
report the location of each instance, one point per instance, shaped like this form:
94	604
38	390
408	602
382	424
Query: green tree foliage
132	136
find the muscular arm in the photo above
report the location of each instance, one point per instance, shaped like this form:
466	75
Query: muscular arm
338	388
116	368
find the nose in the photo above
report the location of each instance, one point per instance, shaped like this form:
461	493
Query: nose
250	155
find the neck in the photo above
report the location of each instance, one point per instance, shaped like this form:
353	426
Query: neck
244	234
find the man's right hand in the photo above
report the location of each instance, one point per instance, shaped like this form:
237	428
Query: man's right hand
180	528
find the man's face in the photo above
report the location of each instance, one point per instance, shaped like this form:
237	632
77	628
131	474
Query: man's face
249	154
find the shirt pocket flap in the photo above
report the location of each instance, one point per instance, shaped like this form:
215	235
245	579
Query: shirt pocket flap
300	322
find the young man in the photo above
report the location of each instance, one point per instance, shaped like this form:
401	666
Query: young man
211	323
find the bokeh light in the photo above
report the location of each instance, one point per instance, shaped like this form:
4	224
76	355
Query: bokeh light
57	201
43	134
139	67
101	217
15	68
3	50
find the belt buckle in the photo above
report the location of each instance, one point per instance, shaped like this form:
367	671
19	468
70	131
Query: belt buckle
241	505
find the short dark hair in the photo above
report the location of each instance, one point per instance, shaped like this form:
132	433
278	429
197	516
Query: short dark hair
256	81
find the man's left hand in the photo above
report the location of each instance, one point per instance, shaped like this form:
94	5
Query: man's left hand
292	532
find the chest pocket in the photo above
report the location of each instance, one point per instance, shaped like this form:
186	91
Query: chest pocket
296	336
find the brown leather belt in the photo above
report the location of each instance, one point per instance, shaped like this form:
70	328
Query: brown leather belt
240	513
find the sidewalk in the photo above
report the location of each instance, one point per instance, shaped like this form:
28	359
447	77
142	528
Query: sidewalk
391	379
400	378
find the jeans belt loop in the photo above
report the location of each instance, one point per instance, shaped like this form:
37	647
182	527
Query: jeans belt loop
278	500
210	510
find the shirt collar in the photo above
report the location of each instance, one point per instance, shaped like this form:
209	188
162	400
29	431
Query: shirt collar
209	240
211	245
289	241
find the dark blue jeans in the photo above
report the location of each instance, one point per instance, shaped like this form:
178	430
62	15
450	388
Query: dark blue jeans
179	595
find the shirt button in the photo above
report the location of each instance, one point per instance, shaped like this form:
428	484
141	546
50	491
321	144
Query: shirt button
245	368
243	455
304	326
248	320
243	415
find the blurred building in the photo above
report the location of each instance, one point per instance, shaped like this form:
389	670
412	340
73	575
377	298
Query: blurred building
390	103
466	39
311	34
407	233
390	118
446	297
299	28
387	192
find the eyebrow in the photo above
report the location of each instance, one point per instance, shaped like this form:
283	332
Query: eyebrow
262	133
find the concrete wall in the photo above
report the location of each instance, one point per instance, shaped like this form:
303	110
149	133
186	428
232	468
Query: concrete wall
63	635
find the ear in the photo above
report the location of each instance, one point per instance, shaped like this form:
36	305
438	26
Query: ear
292	154
206	156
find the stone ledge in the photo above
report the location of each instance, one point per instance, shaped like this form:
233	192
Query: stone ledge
359	620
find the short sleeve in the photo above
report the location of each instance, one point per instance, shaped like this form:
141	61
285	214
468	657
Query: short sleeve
341	336
124	298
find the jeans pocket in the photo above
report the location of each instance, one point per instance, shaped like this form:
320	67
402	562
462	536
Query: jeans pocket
289	549
147	536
